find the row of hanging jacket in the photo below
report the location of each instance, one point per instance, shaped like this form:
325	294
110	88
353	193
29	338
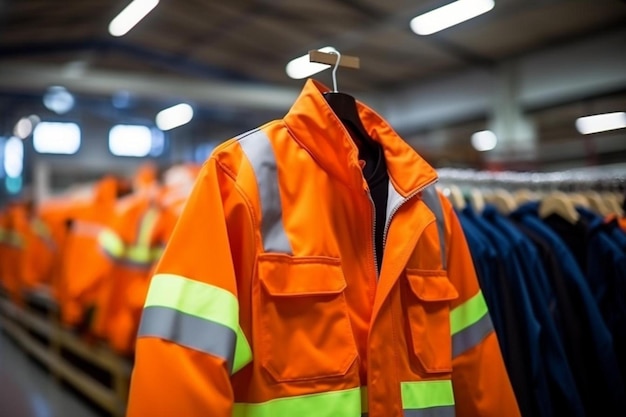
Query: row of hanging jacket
552	268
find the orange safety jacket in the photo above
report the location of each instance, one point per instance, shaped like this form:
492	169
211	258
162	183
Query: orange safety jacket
127	247
82	268
40	250
14	233
267	300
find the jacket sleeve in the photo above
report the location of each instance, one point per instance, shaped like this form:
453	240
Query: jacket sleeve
190	341
481	384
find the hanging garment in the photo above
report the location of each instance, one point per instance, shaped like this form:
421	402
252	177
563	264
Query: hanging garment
586	337
515	320
15	231
38	256
82	267
268	302
564	395
126	246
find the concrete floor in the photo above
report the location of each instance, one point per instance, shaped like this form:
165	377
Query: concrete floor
27	390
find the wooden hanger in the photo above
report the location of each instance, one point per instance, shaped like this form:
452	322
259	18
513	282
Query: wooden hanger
456	196
503	200
344	105
579	200
557	202
596	202
524	195
477	199
612	203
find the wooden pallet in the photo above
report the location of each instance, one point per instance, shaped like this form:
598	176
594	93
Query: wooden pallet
23	324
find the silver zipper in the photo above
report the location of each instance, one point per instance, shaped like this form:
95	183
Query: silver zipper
400	204
374	232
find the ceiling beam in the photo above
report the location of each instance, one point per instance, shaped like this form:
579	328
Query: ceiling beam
36	78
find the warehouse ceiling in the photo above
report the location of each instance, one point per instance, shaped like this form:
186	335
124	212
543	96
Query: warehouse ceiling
252	40
229	58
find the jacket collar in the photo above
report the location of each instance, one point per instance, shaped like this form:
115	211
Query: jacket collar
316	128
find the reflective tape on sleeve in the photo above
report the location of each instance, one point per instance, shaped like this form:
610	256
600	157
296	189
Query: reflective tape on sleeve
199	305
189	331
470	323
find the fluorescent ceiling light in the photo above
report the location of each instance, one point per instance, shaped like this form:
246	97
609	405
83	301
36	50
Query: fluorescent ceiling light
130	140
56	137
174	116
24	127
302	67
449	15
485	140
130	16
601	122
58	99
13	157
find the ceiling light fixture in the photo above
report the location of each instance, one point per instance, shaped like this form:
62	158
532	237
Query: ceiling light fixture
449	15
24	127
301	67
601	122
485	140
58	99
174	116
130	16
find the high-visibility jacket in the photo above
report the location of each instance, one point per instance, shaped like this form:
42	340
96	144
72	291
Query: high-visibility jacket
267	300
127	246
82	267
132	244
40	250
14	231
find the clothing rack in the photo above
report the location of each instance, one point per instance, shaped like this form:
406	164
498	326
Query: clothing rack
597	178
601	189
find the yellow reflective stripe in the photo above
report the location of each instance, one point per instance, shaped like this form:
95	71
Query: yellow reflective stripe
344	403
147	224
468	313
243	353
13	239
156	253
425	394
111	243
204	301
40	228
141	252
43	232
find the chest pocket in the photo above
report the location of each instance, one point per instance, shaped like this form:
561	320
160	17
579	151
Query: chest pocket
427	304
305	327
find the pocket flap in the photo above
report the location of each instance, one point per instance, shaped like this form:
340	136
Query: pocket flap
284	275
431	285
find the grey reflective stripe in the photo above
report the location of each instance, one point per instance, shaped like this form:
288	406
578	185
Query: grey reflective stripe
258	149
190	331
444	411
431	198
471	336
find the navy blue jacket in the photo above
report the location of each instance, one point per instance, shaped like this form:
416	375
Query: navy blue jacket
588	342
512	315
531	273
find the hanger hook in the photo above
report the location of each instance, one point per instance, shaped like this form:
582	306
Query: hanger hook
335	70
